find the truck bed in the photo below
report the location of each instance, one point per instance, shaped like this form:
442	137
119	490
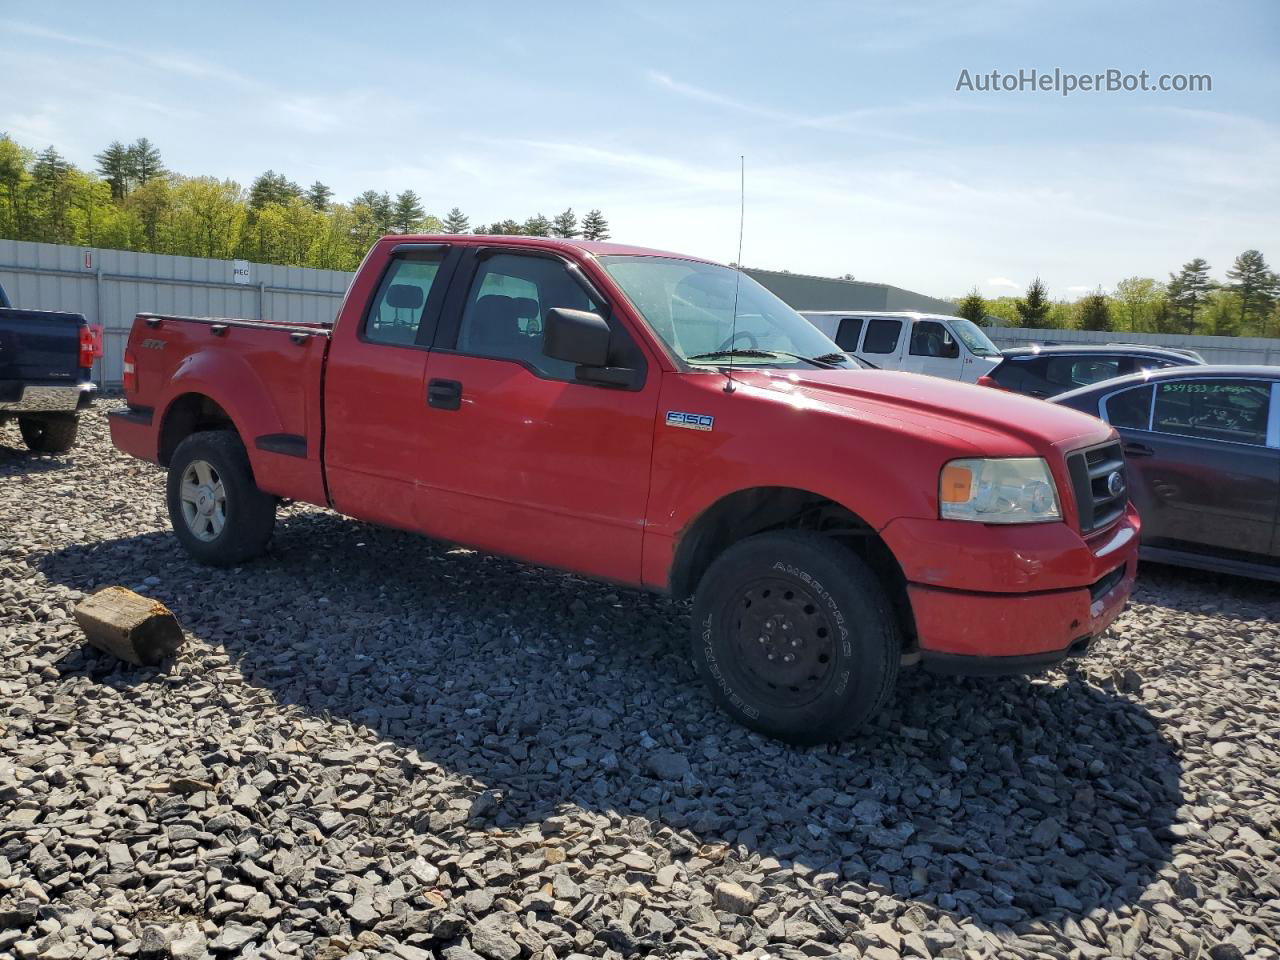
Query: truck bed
277	369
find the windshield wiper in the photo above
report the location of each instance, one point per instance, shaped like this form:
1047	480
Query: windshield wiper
827	360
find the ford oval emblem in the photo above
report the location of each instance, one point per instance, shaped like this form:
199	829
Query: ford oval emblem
1115	483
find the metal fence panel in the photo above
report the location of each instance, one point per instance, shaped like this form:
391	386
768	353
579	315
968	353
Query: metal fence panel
111	286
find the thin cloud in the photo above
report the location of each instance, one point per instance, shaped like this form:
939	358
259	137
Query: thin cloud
1003	282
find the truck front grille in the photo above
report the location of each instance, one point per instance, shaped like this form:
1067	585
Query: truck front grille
1100	499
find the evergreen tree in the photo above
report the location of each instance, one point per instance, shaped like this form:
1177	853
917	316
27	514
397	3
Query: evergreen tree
52	189
1033	309
595	226
272	187
456	222
115	165
318	197
506	228
1255	284
972	307
565	224
538	226
1187	291
144	161
407	211
380	209
1095	311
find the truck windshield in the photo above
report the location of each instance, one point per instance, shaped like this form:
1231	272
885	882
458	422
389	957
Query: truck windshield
971	335
690	306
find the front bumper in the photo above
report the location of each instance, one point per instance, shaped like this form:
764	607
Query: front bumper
61	398
1011	630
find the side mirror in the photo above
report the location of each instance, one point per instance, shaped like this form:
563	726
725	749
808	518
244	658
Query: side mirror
576	336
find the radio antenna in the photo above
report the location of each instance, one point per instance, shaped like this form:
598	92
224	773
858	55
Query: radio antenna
737	279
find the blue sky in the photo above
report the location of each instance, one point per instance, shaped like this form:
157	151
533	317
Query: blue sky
861	155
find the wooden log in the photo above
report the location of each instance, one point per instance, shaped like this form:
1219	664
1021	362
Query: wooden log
130	626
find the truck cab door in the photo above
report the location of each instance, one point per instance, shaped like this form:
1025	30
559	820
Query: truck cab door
527	459
375	437
934	350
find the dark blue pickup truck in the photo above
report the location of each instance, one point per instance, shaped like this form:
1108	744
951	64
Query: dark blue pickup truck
46	366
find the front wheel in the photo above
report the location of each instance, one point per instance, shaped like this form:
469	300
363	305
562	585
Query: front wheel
794	637
217	511
54	433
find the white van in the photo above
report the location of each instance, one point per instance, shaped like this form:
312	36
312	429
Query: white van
929	343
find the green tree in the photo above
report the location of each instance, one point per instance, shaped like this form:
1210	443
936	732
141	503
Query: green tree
1220	314
456	222
318	197
565	224
14	161
208	216
1187	291
407	211
1033	309
144	161
272	187
152	205
1256	286
1136	300
51	191
972	307
116	166
378	210
1095	311
595	226
537	226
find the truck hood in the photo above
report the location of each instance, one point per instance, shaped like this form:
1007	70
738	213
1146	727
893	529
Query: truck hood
992	422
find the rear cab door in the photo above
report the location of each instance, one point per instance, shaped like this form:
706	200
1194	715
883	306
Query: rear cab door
377	427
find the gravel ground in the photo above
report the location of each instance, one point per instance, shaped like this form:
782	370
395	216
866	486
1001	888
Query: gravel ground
373	745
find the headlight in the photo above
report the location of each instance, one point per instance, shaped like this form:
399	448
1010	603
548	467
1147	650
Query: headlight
1012	490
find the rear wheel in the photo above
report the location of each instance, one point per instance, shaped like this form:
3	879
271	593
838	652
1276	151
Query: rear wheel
794	637
216	509
53	433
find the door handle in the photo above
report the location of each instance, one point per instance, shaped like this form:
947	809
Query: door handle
1133	449
444	394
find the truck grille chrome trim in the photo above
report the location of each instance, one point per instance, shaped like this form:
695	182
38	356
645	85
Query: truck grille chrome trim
1100	485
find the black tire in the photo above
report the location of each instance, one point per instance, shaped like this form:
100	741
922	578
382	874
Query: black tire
247	515
801	584
53	433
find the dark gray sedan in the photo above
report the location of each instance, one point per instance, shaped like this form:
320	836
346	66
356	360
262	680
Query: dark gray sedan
1203	451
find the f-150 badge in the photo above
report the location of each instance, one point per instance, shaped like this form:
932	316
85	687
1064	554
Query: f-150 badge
690	421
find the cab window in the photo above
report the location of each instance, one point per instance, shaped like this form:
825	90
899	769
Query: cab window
931	339
1231	410
882	335
506	309
395	315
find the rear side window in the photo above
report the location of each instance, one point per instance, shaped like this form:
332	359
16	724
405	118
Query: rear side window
882	335
848	332
1230	410
395	316
1130	409
931	339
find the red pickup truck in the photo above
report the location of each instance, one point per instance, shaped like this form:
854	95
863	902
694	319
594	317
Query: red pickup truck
664	422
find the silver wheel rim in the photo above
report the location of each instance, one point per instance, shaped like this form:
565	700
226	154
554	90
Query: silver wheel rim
204	500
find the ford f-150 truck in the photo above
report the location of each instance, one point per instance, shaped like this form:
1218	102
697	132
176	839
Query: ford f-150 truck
46	363
664	422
